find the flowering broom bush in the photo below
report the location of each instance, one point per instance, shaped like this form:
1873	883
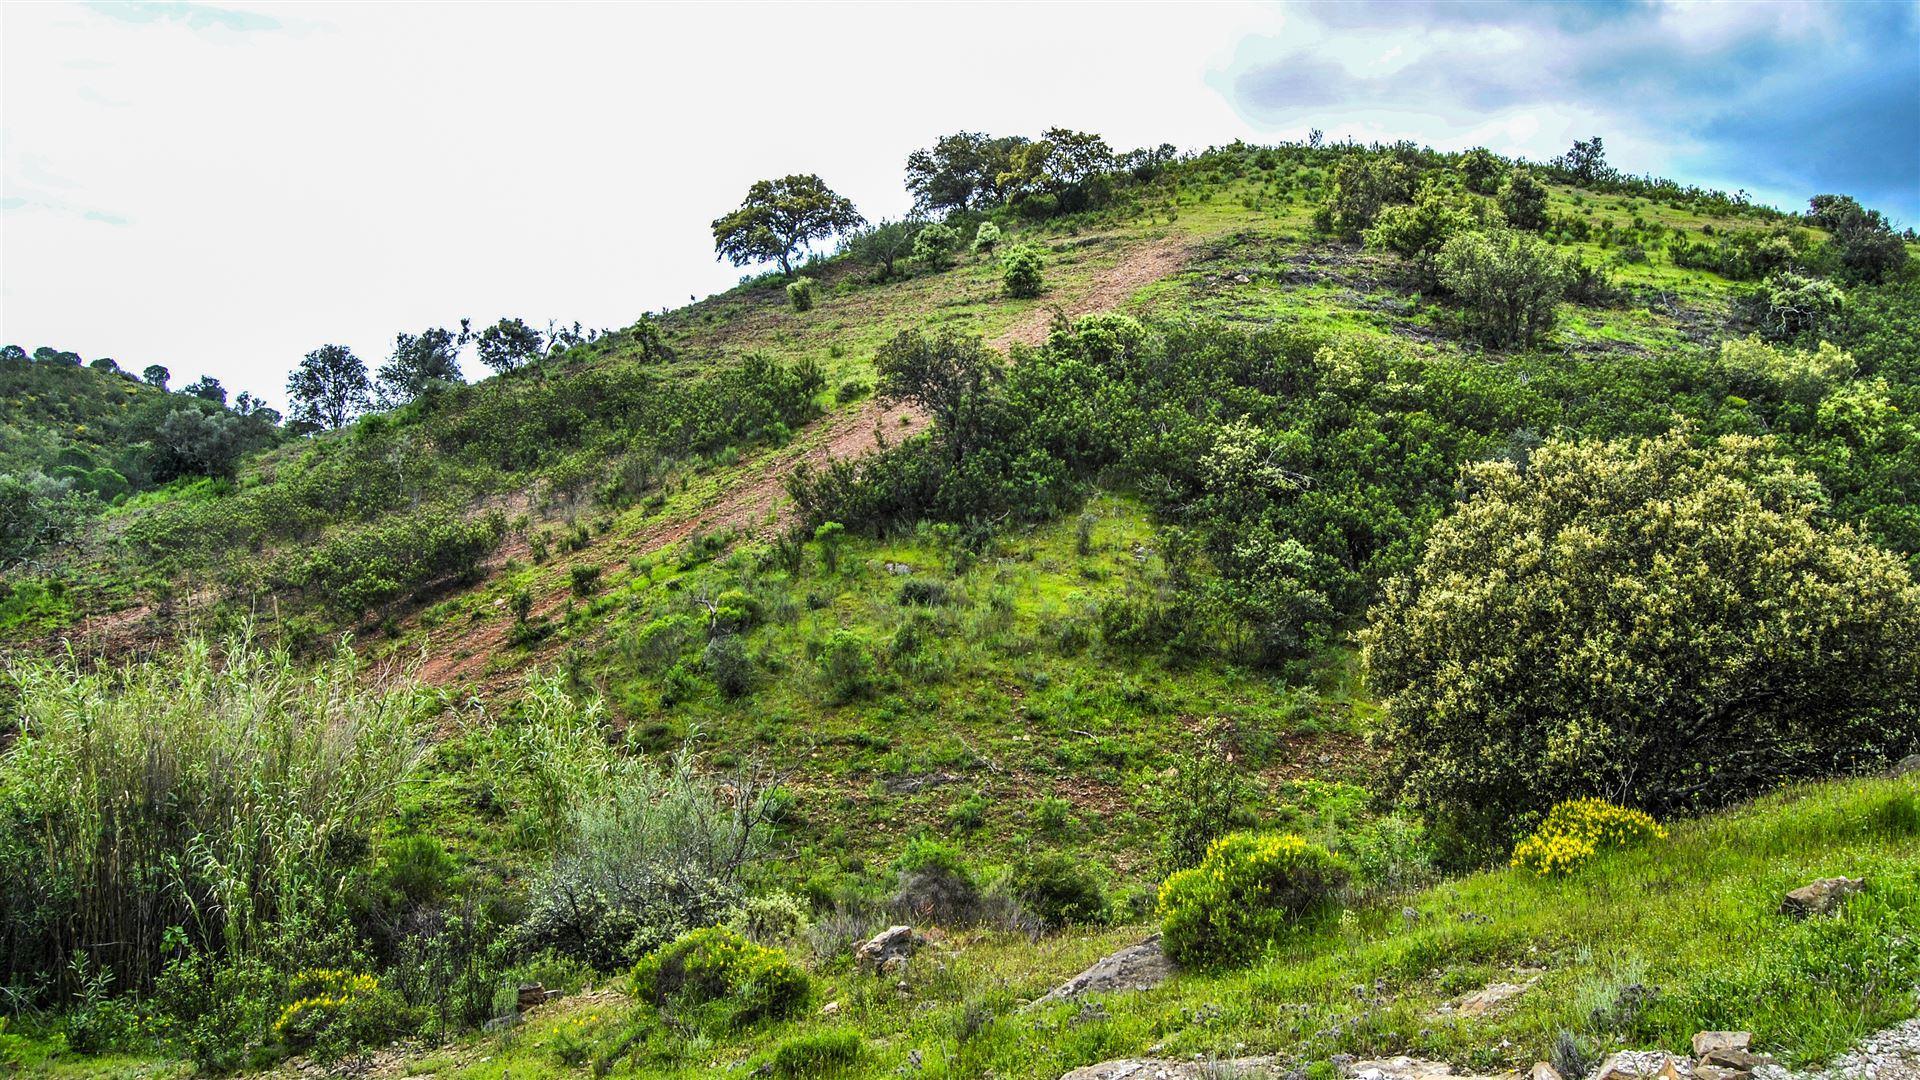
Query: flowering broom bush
1249	890
1577	830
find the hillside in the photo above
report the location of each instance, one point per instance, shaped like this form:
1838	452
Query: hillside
1380	496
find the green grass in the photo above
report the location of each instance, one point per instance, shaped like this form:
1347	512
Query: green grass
1693	920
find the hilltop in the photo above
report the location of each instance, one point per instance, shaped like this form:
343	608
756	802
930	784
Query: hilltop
1376	495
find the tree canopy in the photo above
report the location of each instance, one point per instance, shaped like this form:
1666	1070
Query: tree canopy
780	218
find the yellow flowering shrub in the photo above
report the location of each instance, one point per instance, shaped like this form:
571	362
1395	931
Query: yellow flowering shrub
330	1012
1249	889
1579	829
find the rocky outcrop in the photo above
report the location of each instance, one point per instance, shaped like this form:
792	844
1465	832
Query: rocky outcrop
1820	897
1908	766
1893	1054
888	951
1409	1068
1491	998
1136	967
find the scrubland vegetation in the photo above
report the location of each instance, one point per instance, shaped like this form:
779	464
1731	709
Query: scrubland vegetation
1441	570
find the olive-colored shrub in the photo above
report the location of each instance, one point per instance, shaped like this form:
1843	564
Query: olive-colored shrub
800	294
714	976
1663	622
1250	890
1509	282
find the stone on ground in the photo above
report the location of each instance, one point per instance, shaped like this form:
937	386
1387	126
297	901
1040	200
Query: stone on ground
1820	897
1246	1068
1136	967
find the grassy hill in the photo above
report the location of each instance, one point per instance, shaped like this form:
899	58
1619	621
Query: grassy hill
1118	624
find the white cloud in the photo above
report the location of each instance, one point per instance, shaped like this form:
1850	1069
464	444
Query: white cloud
354	171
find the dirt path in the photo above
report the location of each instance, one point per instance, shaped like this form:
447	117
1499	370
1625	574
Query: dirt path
760	499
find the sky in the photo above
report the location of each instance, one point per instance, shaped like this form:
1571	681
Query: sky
220	189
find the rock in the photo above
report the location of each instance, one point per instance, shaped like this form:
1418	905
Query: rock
1244	1068
1643	1065
1405	1068
1820	897
1889	1054
1717	1072
1136	967
1488	999
1706	1042
831	1008
1908	766
898	569
501	1023
886	952
1736	1058
531	994
1543	1071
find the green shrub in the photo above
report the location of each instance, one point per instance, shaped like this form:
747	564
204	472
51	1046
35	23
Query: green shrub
986	238
1660	618
716	976
936	885
1510	282
800	294
1523	201
331	1013
1363	185
1061	889
1579	829
1792	306
729	665
933	246
819	1053
776	919
1481	171
1250	890
585	579
1021	272
846	666
1416	231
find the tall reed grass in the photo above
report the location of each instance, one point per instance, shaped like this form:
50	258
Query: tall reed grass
211	800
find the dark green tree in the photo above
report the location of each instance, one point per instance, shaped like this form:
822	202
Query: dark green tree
423	360
329	388
780	218
959	172
207	388
949	377
509	345
156	376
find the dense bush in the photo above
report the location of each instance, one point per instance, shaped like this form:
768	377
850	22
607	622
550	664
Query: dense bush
1416	231
1249	891
1509	281
1659	622
986	238
1021	272
1523	201
1061	889
642	851
800	294
715	977
933	247
1578	830
331	1013
1790	307
1363	186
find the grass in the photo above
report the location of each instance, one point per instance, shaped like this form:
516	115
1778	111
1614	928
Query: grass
1642	948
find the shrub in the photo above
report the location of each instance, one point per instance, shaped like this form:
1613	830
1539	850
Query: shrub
1061	889
714	976
936	885
726	660
1481	171
934	245
985	238
846	666
1523	201
1509	281
1792	306
1250	890
644	851
1020	272
1202	800
1658	620
331	1013
1363	185
819	1053
773	919
1579	829
585	579
800	294
1417	231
